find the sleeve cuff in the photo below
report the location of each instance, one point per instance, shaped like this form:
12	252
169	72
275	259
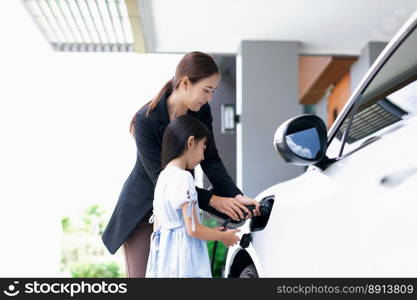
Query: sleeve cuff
204	197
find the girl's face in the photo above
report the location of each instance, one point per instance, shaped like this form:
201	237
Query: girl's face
195	153
199	93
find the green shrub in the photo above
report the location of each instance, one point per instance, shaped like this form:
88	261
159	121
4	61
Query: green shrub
83	253
98	270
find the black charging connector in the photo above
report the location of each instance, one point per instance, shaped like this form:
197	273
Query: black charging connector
245	240
224	224
257	223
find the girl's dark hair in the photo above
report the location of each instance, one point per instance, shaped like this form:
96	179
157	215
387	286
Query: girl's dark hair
174	142
194	65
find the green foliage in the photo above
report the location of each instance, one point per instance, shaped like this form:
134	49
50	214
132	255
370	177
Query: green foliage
91	270
221	251
83	253
66	223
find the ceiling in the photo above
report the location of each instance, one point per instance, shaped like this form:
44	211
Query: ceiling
331	27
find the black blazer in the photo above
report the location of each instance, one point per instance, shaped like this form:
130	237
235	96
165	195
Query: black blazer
135	200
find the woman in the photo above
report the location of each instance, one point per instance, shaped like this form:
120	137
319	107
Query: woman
190	91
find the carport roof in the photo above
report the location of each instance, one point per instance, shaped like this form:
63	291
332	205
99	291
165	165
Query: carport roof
323	27
333	27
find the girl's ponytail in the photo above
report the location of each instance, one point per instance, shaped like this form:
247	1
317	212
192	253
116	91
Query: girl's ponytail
168	87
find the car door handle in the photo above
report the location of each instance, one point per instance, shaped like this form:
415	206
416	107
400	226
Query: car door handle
396	178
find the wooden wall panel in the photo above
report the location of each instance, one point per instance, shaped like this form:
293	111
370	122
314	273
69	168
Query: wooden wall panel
317	73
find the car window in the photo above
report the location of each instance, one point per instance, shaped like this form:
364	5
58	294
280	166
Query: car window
373	120
389	98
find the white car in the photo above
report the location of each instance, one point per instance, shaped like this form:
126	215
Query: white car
353	213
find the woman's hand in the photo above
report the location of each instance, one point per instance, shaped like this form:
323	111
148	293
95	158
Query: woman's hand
249	201
229	206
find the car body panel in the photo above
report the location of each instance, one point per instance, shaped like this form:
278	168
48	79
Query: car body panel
354	227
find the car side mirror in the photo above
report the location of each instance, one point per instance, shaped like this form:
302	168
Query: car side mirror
302	140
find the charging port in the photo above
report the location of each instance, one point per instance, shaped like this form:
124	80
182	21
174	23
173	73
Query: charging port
260	222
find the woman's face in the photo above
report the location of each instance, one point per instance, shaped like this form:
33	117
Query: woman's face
195	153
199	93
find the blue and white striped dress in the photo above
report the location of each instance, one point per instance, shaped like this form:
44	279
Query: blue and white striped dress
173	253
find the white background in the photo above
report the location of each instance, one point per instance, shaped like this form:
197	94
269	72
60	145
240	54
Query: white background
64	139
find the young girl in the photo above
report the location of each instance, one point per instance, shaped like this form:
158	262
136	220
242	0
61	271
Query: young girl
178	247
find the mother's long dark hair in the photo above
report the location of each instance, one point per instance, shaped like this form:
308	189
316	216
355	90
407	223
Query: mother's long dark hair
174	142
194	65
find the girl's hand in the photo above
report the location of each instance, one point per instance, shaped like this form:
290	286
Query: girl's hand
230	238
249	201
229	206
